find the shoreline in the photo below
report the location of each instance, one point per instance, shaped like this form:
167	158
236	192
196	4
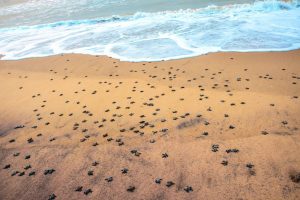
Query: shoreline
145	61
223	125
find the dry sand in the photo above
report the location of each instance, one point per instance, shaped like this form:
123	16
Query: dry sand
217	126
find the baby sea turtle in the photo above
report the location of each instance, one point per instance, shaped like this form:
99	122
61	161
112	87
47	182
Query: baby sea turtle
78	189
164	130
170	183
52	197
30	140
12	140
82	140
118	140
165	155
95	144
21	173
130	189
15	173
27	167
49	171
109	179
232	127
158	180
90	173
224	162
215	148
16	154
188	189
105	135
264	133
6	166
124	171
135	152
232	151
249	165
19	126
32	173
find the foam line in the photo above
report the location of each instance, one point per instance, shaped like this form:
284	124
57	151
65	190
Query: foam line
262	26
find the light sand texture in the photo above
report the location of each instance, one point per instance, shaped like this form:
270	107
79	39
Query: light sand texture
225	124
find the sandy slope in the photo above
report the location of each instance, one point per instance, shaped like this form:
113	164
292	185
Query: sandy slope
230	108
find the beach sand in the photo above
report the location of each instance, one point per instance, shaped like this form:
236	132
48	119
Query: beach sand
217	126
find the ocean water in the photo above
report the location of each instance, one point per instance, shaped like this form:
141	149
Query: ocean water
143	30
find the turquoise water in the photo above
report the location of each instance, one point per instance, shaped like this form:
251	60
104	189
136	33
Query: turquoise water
154	30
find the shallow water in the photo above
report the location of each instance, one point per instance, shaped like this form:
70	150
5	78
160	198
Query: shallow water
30	12
146	30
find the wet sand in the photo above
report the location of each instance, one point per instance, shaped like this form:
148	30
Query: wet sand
217	126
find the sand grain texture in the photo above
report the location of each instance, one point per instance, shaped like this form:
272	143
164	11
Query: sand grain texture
218	126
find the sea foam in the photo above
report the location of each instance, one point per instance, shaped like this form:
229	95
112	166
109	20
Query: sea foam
262	26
